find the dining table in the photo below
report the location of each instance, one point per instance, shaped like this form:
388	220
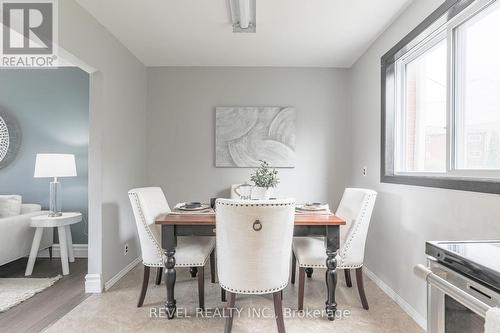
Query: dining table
174	225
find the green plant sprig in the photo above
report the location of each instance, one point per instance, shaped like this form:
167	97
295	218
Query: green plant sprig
264	176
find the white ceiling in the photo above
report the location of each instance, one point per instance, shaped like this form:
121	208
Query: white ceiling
290	33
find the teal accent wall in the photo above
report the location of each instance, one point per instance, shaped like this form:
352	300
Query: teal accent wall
52	108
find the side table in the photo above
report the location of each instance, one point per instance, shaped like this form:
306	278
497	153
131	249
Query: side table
62	223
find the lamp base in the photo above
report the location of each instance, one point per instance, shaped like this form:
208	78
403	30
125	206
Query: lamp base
55	201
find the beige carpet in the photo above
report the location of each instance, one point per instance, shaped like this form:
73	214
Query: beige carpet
116	311
15	290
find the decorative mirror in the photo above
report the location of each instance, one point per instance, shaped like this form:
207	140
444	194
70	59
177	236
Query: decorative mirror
10	139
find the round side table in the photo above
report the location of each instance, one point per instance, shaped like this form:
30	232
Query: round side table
62	223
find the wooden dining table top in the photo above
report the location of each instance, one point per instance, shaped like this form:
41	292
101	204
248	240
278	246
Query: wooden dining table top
209	219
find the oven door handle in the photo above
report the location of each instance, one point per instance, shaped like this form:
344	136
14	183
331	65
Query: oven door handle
458	294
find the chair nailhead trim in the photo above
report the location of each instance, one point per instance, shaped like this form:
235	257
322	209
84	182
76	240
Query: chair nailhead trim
145	225
268	291
312	266
349	241
363	214
337	267
176	265
254	205
181	265
157	246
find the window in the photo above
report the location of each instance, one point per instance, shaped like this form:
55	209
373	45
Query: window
422	117
441	100
478	92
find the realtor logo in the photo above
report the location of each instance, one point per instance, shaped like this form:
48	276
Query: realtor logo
28	33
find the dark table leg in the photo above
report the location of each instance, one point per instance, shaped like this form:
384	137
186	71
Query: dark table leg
169	242
222	295
212	266
332	245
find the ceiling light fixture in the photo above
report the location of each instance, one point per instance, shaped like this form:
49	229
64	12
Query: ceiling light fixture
243	15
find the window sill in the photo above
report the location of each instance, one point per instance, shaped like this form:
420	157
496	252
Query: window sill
447	182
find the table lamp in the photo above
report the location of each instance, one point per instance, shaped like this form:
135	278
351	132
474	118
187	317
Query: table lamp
57	166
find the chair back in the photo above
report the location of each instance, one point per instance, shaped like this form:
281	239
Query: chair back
241	191
147	204
356	209
254	244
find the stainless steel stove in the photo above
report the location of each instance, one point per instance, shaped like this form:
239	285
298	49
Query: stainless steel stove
463	282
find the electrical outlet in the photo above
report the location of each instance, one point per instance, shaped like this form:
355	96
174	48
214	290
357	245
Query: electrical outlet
125	250
364	171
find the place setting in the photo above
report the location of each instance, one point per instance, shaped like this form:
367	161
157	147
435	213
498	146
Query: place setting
194	207
313	208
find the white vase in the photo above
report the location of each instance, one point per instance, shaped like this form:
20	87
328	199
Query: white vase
262	193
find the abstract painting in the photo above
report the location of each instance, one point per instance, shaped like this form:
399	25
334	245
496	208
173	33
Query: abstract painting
245	135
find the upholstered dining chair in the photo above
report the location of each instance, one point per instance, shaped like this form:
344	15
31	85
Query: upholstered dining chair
356	209
233	194
254	242
244	187
147	204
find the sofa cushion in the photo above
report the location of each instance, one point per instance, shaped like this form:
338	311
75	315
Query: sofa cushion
10	205
30	208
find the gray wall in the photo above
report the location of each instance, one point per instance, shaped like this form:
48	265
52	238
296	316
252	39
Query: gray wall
407	216
117	147
181	128
52	108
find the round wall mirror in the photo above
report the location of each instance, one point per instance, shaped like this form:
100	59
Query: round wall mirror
10	139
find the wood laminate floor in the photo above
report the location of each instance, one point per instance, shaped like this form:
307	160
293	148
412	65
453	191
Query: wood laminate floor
45	308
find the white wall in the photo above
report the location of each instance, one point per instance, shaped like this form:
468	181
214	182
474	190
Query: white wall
117	136
181	128
407	216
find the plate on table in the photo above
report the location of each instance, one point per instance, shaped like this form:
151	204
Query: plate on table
193	206
313	206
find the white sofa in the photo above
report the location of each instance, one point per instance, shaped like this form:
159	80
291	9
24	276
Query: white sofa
16	235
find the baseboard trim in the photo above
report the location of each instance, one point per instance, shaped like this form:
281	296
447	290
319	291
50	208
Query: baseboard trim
79	250
414	314
93	283
111	282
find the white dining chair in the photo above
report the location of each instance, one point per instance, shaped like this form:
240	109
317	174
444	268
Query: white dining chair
147	204
254	242
244	187
356	209
233	194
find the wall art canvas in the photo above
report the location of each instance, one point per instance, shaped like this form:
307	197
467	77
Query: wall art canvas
245	135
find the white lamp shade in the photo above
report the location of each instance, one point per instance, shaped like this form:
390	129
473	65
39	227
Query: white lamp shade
55	165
